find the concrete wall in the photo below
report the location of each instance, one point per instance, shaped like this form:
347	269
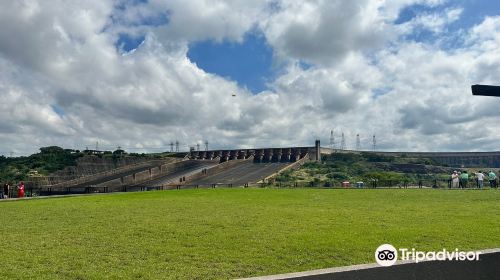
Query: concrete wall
166	168
142	176
294	165
259	155
112	183
155	171
454	159
216	169
468	159
151	173
92	164
226	165
128	180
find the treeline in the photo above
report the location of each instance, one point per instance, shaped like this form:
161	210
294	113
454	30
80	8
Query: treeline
48	160
51	159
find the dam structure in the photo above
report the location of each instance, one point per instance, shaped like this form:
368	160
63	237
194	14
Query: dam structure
451	159
264	155
314	153
236	167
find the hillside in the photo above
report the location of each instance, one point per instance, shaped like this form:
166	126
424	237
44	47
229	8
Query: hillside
66	163
365	166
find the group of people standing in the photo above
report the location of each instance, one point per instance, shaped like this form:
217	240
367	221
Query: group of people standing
460	179
8	191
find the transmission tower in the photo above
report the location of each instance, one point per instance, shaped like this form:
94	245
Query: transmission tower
97	145
342	143
332	140
176	146
358	143
374	147
171	147
206	146
197	147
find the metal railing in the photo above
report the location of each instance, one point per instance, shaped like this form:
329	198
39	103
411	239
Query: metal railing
32	191
372	183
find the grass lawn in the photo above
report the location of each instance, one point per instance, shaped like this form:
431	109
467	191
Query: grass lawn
230	233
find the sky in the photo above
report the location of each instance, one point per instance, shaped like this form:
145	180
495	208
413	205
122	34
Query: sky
244	74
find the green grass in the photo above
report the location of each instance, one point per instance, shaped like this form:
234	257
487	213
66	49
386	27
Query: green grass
230	233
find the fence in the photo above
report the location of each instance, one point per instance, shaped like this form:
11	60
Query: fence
371	183
31	191
47	191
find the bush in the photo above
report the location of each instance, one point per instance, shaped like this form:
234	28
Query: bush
377	157
338	176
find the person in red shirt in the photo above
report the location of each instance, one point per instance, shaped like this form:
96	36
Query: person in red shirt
20	192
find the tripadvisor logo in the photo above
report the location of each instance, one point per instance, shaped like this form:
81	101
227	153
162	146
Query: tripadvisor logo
387	255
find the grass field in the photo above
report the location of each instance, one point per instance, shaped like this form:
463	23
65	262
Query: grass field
231	233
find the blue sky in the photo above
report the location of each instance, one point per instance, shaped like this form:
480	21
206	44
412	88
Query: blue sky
475	11
127	43
69	74
250	62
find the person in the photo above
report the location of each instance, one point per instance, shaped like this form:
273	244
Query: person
454	179
480	179
20	191
497	181
464	179
492	177
6	188
1	192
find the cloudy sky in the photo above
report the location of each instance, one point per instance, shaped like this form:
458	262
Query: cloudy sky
141	74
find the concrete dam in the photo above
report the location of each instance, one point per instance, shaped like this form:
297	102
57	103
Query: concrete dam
259	155
237	167
293	154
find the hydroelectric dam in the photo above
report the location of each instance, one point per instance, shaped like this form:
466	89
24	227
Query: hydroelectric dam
236	167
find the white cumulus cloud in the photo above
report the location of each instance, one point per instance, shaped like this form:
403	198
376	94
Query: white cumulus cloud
64	81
